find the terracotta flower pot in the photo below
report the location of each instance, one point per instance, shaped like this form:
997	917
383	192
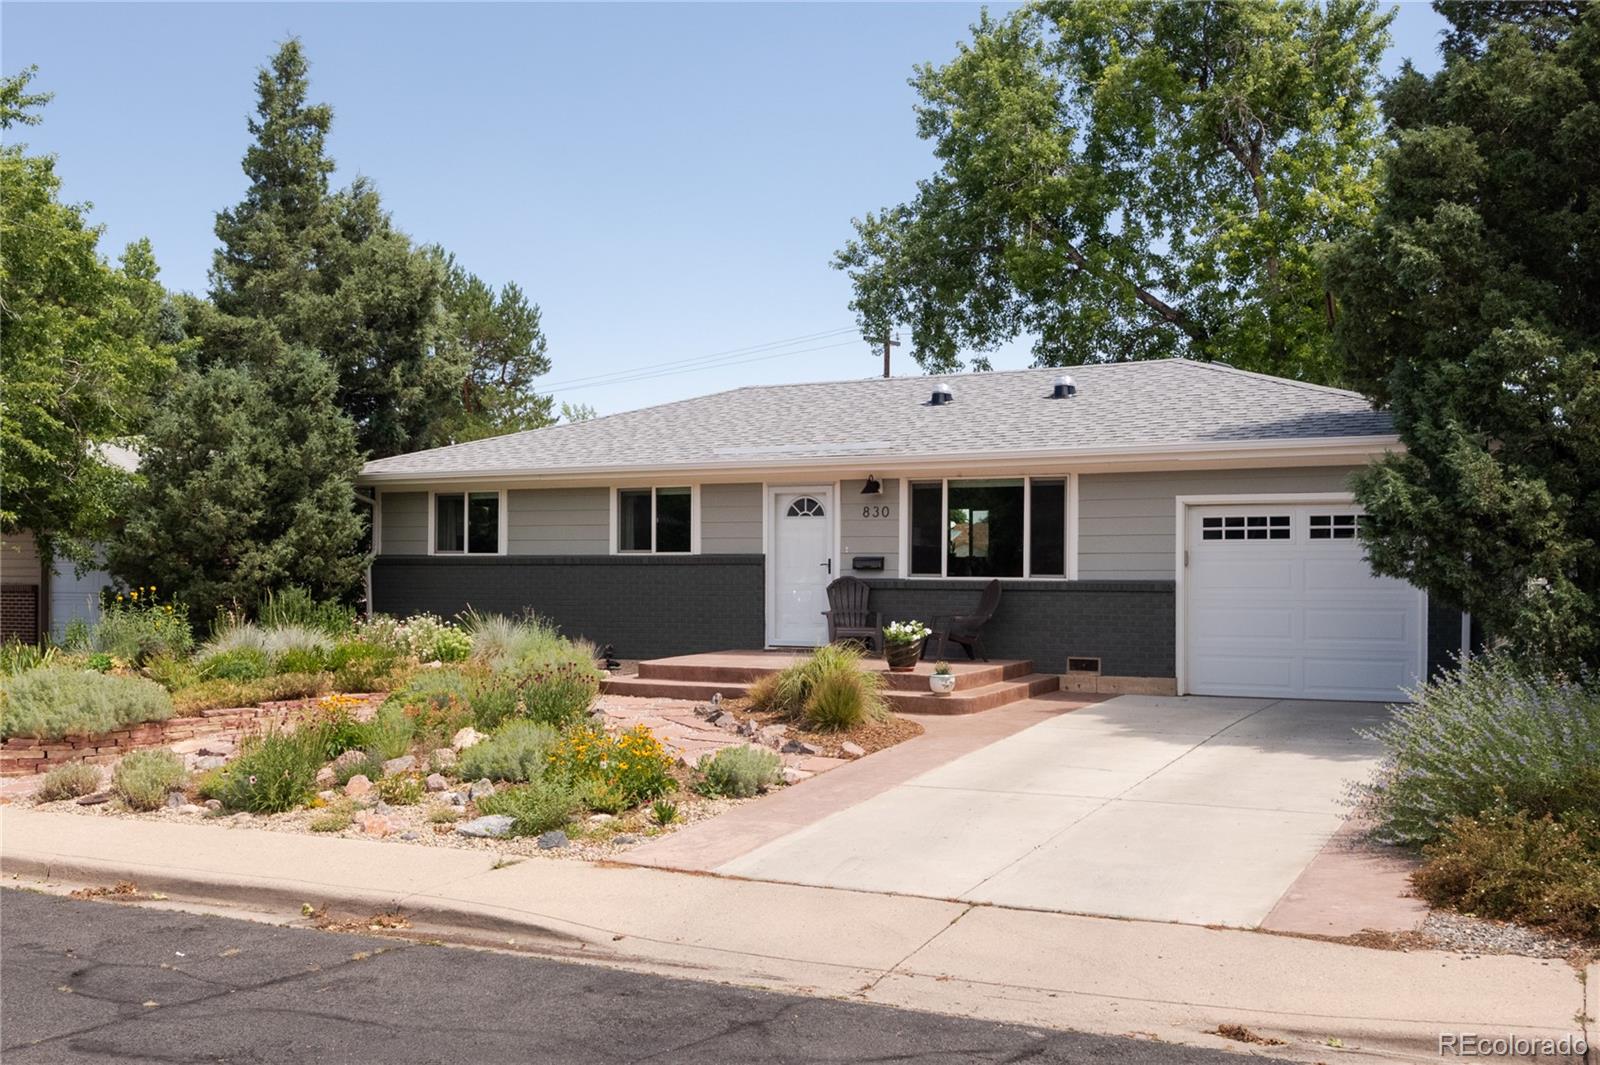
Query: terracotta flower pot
903	657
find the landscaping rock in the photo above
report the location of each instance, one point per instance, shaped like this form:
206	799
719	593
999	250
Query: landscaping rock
409	835
213	805
210	761
358	786
466	738
495	826
704	710
478	789
800	747
348	758
175	799
455	798
373	823
436	782
746	728
326	777
791	775
772	735
216	749
852	750
723	719
96	799
404	764
624	838
600	819
443	758
191	808
555	839
328	795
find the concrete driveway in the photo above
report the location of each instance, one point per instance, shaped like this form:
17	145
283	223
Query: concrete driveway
1197	809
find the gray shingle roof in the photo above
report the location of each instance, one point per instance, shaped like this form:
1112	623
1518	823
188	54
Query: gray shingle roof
1121	406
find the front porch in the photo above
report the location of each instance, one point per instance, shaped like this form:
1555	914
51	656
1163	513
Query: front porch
979	685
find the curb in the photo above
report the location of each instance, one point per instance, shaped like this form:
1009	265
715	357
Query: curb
352	903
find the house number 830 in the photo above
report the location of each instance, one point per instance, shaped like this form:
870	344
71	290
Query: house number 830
877	510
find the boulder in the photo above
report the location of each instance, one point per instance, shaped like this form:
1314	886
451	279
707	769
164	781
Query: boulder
328	795
209	761
372	823
724	719
191	808
455	798
600	819
404	764
800	747
435	782
348	758
852	750
358	786
409	835
326	777
791	775
466	738
494	826
624	838
175	799
555	839
443	758
214	805
772	735
478	789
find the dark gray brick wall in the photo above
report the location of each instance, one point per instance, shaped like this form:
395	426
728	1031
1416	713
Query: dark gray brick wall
1129	625
646	607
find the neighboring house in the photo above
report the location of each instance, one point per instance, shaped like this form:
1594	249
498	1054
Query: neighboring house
1174	525
35	600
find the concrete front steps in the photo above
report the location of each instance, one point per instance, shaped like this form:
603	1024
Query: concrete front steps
979	685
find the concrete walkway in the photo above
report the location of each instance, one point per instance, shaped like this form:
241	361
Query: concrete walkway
1201	810
1171	982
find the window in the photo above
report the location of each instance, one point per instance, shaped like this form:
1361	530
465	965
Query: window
1011	527
1246	527
805	507
655	519
1334	526
466	523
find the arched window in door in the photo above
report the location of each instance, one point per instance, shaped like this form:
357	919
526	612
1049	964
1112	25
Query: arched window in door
805	507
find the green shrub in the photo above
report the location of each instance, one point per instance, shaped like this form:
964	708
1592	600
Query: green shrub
100	662
612	773
390	731
214	694
1517	867
274	771
443	815
739	772
535	808
242	663
559	695
438	703
1491	735
330	725
50	703
271	642
493	700
664	812
296	606
335	817
361	666
843	699
301	660
136	626
517	751
423	637
402	789
370	766
172	672
143	778
18	657
69	782
788	691
507	644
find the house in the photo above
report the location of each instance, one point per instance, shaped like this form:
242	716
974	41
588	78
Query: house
1163	525
36	599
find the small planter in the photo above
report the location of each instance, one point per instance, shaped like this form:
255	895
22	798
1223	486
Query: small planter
903	657
942	683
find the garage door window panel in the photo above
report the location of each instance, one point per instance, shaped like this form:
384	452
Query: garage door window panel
1247	527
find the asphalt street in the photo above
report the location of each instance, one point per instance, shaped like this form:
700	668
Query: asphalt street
97	981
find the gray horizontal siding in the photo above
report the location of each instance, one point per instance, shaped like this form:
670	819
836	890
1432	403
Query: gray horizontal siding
730	519
870	525
558	521
1127	521
405	523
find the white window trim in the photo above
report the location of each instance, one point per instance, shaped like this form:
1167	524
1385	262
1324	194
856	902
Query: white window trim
615	521
433	512
1070	548
1181	560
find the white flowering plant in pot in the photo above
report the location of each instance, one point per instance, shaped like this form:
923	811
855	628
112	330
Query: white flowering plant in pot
902	644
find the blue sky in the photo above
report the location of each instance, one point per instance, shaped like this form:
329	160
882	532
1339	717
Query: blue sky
666	181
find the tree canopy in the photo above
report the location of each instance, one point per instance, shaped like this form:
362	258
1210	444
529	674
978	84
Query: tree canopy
1126	179
1472	309
84	343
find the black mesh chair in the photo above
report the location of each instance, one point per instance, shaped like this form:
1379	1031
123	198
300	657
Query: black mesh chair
848	616
967	629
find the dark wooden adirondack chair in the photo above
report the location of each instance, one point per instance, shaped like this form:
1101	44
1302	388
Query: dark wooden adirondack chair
848	616
967	629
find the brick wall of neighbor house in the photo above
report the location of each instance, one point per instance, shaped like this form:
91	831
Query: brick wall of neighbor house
1128	625
644	606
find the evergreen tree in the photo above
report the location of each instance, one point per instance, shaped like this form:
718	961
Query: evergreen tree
248	478
1472	309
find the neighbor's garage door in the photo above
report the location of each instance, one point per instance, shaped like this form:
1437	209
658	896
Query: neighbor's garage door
1280	602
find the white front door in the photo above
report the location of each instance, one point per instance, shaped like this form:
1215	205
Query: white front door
802	566
1280	601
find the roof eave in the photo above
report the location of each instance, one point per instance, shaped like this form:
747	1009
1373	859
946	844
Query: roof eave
1333	448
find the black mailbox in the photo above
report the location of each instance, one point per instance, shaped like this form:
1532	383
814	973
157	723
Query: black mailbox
867	562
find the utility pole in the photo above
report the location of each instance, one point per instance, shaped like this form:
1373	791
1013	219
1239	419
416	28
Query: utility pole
887	344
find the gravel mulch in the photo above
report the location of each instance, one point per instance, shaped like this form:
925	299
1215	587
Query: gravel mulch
1477	935
869	736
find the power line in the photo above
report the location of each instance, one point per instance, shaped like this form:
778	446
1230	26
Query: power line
693	369
695	362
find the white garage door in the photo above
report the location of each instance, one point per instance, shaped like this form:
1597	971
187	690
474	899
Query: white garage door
1280	602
